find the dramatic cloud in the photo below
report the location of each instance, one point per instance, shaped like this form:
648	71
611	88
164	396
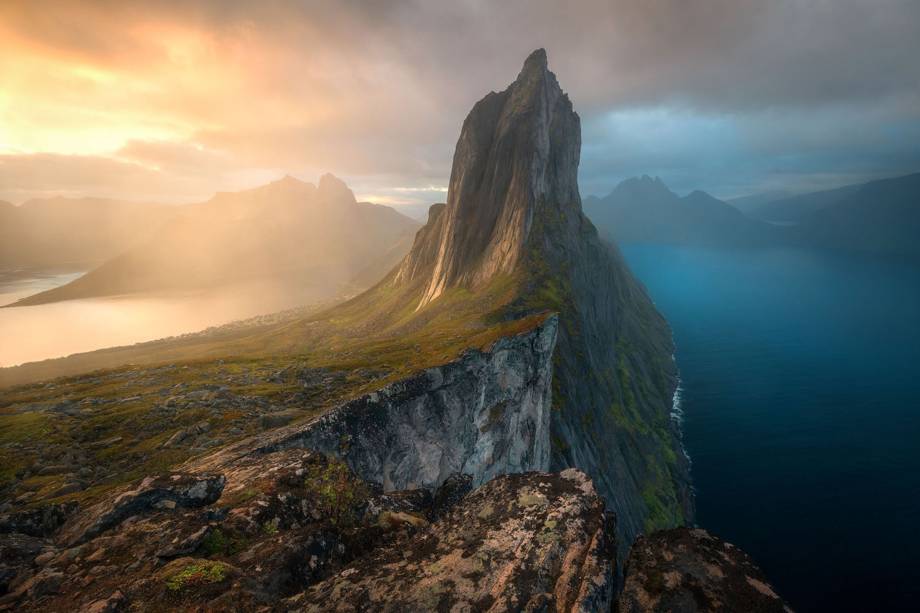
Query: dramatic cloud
186	98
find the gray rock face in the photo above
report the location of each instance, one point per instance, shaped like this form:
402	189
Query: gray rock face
485	414
516	147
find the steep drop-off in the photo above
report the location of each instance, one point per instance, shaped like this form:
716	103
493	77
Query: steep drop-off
482	415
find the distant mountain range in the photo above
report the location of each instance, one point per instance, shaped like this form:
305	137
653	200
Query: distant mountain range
288	230
878	217
644	210
747	204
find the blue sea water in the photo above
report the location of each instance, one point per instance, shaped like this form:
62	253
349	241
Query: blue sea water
801	398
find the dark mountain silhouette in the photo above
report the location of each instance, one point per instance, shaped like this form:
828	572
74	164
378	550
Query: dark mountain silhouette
795	209
748	204
644	210
877	217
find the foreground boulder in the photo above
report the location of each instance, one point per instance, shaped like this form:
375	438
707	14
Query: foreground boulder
690	570
533	541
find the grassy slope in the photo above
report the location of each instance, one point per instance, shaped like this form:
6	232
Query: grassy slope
117	420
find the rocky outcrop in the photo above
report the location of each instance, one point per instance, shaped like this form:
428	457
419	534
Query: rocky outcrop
514	211
690	570
182	490
527	542
484	414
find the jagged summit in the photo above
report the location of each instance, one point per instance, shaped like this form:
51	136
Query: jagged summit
329	191
518	151
643	187
536	60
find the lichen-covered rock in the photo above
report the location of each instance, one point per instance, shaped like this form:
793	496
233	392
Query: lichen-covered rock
277	523
689	570
297	530
525	542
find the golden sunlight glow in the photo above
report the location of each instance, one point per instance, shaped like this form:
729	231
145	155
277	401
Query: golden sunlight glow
173	105
59	104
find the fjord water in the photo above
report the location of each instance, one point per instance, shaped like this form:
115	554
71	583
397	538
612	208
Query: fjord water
58	329
801	399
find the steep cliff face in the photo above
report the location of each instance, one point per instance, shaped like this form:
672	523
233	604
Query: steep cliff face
484	414
514	212
517	149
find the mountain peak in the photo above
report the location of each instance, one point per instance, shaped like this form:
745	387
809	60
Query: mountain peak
642	187
517	154
288	181
535	63
333	189
699	194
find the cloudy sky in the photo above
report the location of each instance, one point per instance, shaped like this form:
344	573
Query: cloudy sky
171	101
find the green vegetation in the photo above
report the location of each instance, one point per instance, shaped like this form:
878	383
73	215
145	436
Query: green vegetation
218	542
338	492
197	574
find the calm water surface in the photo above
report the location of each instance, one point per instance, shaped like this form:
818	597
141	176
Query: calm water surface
54	330
801	380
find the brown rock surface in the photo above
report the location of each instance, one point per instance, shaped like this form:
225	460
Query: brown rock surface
533	541
689	570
